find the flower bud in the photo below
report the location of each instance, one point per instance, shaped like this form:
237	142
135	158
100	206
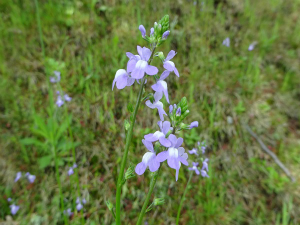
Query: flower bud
159	201
161	55
178	112
109	205
165	34
126	124
170	109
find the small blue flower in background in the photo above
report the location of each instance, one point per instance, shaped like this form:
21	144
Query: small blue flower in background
56	77
14	209
80	203
193	151
175	154
67	98
30	177
157	104
71	169
169	65
226	42
18	176
194	124
195	164
149	160
165	127
204	169
165	34
252	45
9	199
59	101
68	212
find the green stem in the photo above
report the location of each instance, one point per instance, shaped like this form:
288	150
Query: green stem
59	186
128	141
39	26
143	211
182	198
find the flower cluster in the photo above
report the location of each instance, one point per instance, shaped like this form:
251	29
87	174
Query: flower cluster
30	177
204	170
71	169
61	97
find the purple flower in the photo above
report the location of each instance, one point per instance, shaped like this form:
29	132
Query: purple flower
193	151
143	30
204	173
79	206
14	209
252	45
165	34
175	154
74	166
194	124
151	31
67	98
70	171
178	111
30	177
226	42
157	104
165	127
59	101
170	109
68	211
56	77
195	168
9	199
205	165
169	65
18	176
122	79
161	86
138	64
203	148
83	201
149	160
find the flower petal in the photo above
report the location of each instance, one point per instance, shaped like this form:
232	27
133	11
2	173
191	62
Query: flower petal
165	142
183	161
162	156
169	65
173	162
153	137
179	142
146	54
161	86
158	96
166	127
140	168
170	55
139	70
173	139
151	70
148	145
153	164
164	75
143	30
140	51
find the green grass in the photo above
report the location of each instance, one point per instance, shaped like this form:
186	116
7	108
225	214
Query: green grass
87	41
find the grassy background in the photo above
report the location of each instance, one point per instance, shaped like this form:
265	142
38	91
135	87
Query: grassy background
87	41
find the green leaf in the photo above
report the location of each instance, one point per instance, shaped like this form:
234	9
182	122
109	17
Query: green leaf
32	141
45	161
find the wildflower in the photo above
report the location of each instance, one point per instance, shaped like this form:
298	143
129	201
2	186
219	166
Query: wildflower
30	177
204	169
169	65
14	209
151	31
165	34
67	98
83	201
59	101
149	160
252	45
193	151
175	154
122	79
70	171
204	173
56	77
195	168
194	124
165	127
143	30
170	109
9	199
68	211
161	86
157	104
138	64
79	206
226	42
178	111
18	176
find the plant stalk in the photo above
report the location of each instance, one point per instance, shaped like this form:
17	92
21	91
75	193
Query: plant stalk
128	141
183	197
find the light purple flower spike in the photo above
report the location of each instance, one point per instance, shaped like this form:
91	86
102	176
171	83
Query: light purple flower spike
122	79
59	101
252	45
161	86
165	34
14	209
169	65
195	168
157	104
56	77
143	30
138	64
226	42
165	127
18	176
193	151
175	154
30	177
194	124
149	160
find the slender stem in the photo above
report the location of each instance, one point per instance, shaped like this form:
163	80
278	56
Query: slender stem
59	185
182	198
128	141
152	184
40	27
